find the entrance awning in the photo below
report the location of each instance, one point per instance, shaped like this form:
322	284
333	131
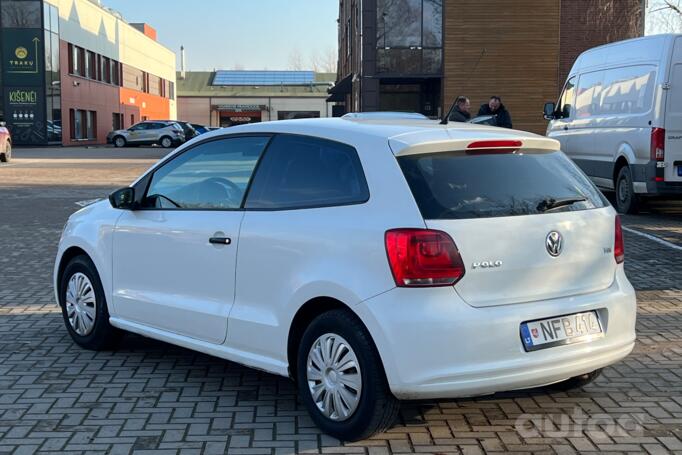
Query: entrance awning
339	91
240	107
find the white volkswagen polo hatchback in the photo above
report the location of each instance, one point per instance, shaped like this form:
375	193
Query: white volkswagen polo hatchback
369	260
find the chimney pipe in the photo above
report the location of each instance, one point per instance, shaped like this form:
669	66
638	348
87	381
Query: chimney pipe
182	62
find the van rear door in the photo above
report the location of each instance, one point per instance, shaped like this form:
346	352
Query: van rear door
673	117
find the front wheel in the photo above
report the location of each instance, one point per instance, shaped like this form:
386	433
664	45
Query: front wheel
6	156
341	380
84	307
119	141
626	199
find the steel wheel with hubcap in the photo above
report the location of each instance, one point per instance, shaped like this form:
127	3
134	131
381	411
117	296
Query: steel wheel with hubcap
81	304
341	379
626	199
334	377
84	306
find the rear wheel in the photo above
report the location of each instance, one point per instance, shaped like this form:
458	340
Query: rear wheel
166	142
576	382
626	199
84	307
341	380
119	141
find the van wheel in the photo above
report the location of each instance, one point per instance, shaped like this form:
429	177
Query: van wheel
341	380
626	199
84	307
575	382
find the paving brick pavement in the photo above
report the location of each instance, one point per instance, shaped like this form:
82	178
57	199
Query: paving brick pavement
150	397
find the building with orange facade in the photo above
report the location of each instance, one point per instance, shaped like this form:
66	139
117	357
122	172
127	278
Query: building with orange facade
73	70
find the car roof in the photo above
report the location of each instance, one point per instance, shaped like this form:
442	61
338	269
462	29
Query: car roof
405	136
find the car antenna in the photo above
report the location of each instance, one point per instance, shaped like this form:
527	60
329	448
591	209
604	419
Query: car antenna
445	119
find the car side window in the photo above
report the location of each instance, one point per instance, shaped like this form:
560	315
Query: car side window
304	172
138	127
212	175
565	105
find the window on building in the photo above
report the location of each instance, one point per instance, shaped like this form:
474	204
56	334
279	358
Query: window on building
105	70
132	119
91	125
409	36
90	65
77	60
115	73
289	115
300	172
76	120
172	90
117	121
20	14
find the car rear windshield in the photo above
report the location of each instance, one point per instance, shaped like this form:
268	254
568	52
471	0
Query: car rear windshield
454	185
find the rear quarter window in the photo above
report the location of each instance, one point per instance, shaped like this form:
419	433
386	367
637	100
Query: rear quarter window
453	185
305	172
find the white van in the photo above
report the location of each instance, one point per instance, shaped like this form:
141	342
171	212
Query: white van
619	118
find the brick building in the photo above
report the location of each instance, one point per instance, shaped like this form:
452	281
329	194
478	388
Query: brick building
418	55
73	70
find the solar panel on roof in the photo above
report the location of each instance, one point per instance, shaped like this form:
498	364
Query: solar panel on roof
263	77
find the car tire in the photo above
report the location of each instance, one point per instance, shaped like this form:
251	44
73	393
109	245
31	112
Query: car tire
370	408
6	156
84	307
575	382
166	142
626	199
119	141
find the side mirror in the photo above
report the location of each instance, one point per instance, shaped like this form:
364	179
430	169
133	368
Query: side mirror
123	199
549	111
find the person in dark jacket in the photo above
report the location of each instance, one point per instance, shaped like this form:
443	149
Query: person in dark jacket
461	111
496	108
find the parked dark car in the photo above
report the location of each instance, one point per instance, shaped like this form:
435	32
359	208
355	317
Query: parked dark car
200	129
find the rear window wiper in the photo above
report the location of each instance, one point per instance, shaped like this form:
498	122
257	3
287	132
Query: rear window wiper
554	203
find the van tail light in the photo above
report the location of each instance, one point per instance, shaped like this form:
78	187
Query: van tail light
423	258
618	247
658	144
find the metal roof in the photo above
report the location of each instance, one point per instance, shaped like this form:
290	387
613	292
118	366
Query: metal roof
199	84
263	77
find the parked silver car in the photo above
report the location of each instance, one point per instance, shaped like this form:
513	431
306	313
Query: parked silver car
165	133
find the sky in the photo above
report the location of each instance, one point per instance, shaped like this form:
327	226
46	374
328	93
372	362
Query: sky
239	34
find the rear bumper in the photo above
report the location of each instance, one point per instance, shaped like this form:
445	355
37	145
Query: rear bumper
434	345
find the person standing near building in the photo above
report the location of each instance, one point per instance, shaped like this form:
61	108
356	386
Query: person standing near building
496	108
461	113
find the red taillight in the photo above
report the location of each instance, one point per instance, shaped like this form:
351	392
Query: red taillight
423	257
493	144
618	247
658	144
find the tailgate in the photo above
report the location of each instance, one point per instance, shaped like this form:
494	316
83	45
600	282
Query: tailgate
507	259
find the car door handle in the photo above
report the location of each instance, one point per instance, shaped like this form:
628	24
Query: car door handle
220	240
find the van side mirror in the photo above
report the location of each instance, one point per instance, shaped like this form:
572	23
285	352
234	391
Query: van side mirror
549	111
123	199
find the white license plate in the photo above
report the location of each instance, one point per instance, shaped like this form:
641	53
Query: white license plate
560	330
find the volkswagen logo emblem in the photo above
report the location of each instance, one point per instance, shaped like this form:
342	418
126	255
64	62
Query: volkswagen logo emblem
554	243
